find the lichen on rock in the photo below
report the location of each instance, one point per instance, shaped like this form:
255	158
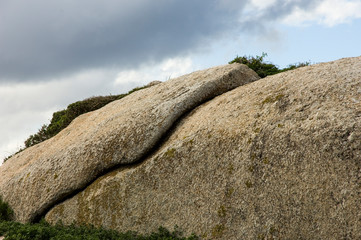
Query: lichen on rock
238	167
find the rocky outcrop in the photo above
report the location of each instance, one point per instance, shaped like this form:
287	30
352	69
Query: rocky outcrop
120	133
278	158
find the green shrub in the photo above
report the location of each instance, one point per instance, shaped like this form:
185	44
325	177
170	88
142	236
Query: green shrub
297	65
262	68
6	213
45	231
257	64
63	118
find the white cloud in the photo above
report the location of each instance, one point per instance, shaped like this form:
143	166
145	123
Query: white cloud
163	71
328	13
262	4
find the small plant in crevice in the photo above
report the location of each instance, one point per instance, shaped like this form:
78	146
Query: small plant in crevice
218	230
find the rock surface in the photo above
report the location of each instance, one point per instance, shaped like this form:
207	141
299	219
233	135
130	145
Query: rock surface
120	133
279	158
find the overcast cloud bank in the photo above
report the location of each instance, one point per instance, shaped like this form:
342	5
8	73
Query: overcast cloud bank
45	39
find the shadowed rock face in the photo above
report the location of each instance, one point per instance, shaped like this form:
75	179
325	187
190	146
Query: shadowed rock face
279	158
120	133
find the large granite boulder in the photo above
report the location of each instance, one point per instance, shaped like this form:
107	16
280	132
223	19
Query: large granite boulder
279	158
120	133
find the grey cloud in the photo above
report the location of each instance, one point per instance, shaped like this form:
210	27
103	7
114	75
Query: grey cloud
281	8
42	38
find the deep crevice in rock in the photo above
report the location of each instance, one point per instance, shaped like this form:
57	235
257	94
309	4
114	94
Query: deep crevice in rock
135	164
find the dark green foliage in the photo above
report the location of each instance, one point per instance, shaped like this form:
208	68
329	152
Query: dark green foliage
262	68
44	231
6	213
63	118
257	64
297	65
42	135
20	150
134	90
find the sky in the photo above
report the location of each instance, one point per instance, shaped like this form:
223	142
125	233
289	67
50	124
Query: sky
53	53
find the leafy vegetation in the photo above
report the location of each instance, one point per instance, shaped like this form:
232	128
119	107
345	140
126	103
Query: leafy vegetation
6	213
262	68
45	231
63	118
